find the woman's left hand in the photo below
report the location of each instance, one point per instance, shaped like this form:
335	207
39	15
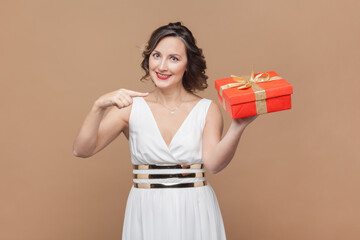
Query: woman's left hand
243	122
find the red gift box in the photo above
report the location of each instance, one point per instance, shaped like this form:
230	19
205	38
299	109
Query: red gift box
272	95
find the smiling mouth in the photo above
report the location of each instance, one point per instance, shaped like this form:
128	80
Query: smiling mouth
162	76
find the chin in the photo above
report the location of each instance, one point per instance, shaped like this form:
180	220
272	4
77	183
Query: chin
161	85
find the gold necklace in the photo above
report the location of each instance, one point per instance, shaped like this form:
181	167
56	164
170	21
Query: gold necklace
172	111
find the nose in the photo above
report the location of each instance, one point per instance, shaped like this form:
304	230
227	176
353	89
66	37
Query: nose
163	65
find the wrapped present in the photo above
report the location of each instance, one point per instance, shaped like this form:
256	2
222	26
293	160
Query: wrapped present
253	95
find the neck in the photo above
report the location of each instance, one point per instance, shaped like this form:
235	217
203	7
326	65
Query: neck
170	97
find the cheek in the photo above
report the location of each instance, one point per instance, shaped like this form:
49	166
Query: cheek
180	68
151	64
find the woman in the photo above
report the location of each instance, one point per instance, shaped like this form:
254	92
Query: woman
173	134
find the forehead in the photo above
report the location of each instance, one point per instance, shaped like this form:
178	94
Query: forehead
171	45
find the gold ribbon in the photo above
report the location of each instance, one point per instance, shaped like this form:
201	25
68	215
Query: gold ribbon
250	81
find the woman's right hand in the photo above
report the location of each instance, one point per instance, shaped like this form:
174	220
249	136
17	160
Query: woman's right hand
120	98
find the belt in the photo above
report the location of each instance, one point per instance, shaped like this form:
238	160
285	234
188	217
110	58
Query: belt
169	166
163	175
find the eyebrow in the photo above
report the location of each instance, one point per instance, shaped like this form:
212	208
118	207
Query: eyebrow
172	54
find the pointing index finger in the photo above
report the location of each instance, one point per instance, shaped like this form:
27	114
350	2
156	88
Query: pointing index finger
137	94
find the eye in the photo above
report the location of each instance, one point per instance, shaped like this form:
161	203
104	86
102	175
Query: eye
156	55
175	59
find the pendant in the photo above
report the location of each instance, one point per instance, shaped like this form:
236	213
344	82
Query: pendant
172	112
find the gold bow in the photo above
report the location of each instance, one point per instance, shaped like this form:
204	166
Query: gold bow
249	81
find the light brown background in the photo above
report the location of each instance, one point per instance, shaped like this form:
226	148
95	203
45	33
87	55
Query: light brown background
295	174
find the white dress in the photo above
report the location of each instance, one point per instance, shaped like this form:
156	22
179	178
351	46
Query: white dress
189	213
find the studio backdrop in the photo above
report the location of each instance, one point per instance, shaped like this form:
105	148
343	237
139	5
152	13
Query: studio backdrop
295	174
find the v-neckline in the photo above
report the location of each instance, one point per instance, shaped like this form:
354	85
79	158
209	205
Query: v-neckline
157	126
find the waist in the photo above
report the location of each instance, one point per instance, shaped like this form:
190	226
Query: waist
169	175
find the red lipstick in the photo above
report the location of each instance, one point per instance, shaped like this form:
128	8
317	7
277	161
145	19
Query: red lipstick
162	76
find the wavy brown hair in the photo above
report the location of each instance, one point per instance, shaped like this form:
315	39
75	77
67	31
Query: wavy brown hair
194	77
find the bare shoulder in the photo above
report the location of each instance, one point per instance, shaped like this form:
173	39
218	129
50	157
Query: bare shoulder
213	127
213	112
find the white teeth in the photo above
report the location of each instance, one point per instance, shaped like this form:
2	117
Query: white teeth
164	76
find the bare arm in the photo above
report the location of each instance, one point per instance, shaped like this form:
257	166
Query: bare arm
97	131
217	152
